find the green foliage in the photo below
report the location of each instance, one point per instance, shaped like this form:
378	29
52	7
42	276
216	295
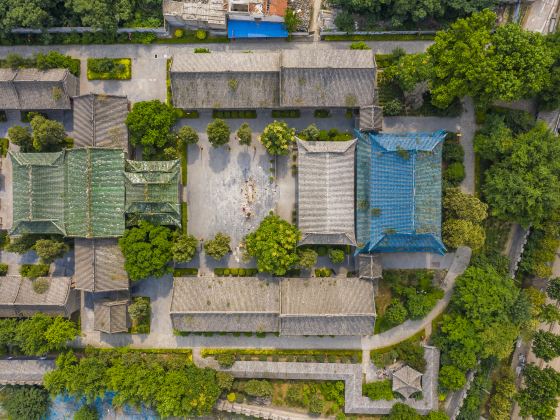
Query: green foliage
258	388
218	247
291	20
8	327
454	174
553	288
201	51
218	132
42	334
201	34
307	258
184	248
149	124
147	250
168	382
360	45
393	107
225	360
22	137
459	205
378	390
451	378
277	138
452	151
86	412
474	58
34	270
495	140
549	313
460	232
344	21
139	309
48	135
540	250
501	401
25	402
225	380
401	411
49	250
546	345
273	245
109	68
336	256
3	269
542	388
526	190
187	135
244	134
396	313
409	70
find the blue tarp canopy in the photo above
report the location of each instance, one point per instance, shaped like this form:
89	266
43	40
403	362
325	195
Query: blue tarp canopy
256	29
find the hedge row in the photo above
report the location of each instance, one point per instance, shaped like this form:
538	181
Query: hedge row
285	113
239	114
185	272
236	272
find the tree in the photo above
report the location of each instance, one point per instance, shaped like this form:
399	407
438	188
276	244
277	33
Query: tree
307	258
495	140
86	412
459	205
218	132
553	288
336	256
48	135
459	232
549	313
273	245
409	70
473	58
396	313
542	388
187	135
59	333
149	124
147	250
525	186
101	14
139	309
310	133
401	411
8	328
23	244
244	134
451	378
218	247
49	250
22	137
225	380
291	20
26	402
546	345
277	138
344	21
258	388
436	415
184	248
501	401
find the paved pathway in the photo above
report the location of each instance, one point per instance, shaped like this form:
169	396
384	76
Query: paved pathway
467	127
539	16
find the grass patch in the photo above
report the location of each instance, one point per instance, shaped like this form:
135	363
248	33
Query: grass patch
185	272
289	355
184	217
142	325
380	37
109	68
4	146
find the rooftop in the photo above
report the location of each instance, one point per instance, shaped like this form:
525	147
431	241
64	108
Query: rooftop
111	316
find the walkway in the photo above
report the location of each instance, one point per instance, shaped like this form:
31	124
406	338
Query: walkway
24	371
351	374
467	127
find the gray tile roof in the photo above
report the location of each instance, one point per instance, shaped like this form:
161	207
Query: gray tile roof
19	299
371	118
369	267
99	121
327	325
225	304
407	381
292	78
24	372
326	192
111	316
33	89
327	78
99	265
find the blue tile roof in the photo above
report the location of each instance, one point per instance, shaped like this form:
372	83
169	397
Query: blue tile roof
399	192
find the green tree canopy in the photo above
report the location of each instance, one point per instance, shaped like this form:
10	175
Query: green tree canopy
542	388
150	124
546	345
218	132
553	288
459	232
86	412
48	135
218	247
48	249
459	205
184	248
307	258
22	137
273	245
139	309
26	402
187	135
525	186
451	378
396	313
277	138
409	70
147	250
495	140
42	334
474	58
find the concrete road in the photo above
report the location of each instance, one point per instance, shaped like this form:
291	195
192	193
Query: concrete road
539	15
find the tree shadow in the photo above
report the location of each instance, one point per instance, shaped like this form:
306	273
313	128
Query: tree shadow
219	158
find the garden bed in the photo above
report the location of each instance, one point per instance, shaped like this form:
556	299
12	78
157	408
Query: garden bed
185	272
409	351
380	37
142	325
109	68
235	272
281	355
286	113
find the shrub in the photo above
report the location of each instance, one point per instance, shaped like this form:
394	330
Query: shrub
48	250
396	313
40	286
34	270
277	138
201	50
218	247
360	45
451	378
187	135
258	388
200	34
139	309
225	380
316	403
184	248
336	256
244	134
452	151
218	132
459	232
231	397
392	108
225	360
178	33
86	412
379	390
307	258
323	272
3	269
26	402
454	174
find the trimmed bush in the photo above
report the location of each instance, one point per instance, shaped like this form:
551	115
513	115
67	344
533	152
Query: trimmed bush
3	269
34	270
225	360
109	68
454	174
336	256
392	108
379	390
